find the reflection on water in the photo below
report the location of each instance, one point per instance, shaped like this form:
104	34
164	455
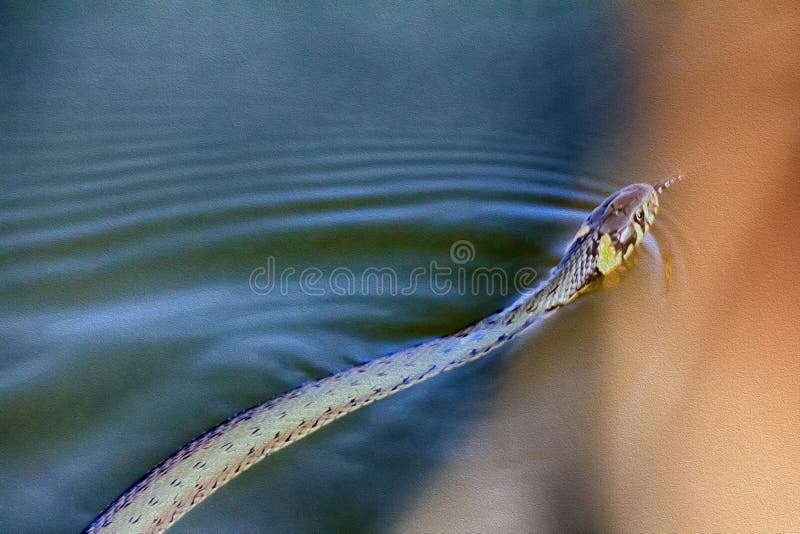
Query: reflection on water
151	158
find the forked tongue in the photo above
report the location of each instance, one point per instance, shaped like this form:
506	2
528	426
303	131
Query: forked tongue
666	184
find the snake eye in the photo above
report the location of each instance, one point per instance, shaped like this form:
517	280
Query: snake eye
639	216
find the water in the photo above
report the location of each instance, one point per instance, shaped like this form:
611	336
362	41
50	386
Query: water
152	157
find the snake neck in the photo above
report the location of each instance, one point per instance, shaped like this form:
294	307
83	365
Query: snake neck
573	276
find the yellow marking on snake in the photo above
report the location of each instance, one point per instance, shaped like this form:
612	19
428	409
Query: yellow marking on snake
608	258
208	462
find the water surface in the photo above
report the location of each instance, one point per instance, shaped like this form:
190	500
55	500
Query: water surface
152	157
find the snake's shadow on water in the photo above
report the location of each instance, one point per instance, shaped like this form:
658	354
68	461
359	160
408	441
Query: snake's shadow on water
548	397
339	480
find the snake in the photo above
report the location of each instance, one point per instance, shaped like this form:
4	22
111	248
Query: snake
607	237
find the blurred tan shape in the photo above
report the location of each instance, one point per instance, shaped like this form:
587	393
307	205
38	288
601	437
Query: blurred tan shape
646	409
701	427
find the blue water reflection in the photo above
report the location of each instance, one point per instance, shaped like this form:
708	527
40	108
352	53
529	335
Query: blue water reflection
153	155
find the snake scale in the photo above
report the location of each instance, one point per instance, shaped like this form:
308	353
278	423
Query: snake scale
605	239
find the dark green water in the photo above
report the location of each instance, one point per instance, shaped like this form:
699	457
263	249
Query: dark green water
152	157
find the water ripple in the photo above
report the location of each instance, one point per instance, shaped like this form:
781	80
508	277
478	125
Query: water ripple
143	192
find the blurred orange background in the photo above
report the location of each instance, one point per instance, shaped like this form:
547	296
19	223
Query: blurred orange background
681	408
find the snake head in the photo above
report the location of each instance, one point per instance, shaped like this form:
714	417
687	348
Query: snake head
621	222
613	230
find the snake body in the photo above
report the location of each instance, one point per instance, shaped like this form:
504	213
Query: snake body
179	483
